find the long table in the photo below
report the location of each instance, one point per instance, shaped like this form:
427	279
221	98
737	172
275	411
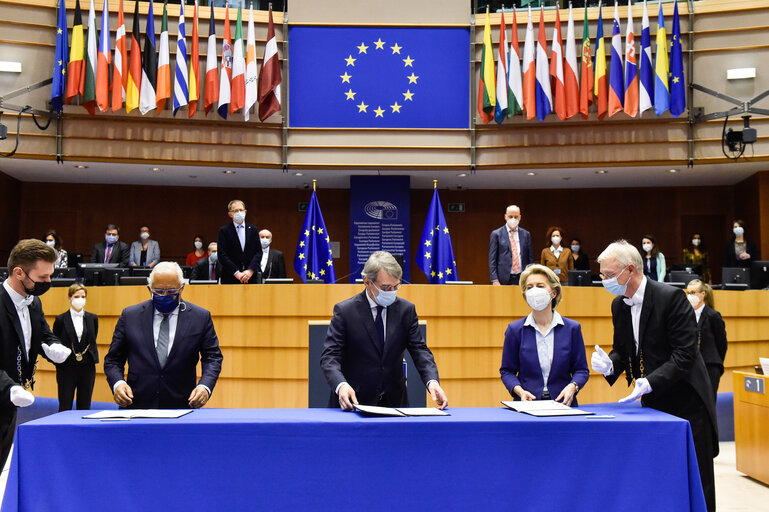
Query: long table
324	459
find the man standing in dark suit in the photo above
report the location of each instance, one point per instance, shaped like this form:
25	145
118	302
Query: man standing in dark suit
162	340
24	332
239	249
655	344
510	249
112	250
272	263
363	352
208	269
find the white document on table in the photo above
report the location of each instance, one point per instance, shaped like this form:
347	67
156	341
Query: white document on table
375	410
544	408
137	413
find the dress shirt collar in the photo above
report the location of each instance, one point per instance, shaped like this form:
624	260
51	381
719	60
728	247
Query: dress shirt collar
556	251
265	250
18	299
511	231
175	312
557	320
75	313
238	225
638	298
371	302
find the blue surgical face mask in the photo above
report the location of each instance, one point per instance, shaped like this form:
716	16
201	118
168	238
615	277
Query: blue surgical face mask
111	239
239	217
738	231
165	303
213	256
384	298
613	287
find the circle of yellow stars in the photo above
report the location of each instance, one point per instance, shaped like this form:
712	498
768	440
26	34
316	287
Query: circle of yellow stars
350	94
428	254
329	263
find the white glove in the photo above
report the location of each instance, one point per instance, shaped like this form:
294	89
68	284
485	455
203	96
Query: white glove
21	397
641	388
56	352
601	362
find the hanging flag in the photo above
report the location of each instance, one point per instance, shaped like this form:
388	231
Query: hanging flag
677	84
586	75
502	92
119	71
194	73
435	255
645	71
103	61
599	68
225	75
570	71
313	259
529	72
486	90
543	95
76	68
212	79
147	100
181	91
631	71
269	79
616	78
134	83
661	91
514	80
60	61
164	63
252	91
238	94
556	68
89	84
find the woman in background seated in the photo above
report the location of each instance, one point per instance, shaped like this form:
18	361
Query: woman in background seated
696	254
654	260
54	240
77	330
581	259
544	354
739	252
198	254
556	257
710	329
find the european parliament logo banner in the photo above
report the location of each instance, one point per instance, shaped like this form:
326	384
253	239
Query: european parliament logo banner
379	77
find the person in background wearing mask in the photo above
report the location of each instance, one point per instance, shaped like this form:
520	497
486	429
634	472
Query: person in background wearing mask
556	257
207	269
362	357
272	264
112	250
544	354
711	330
198	254
161	369
696	254
739	252
655	344
52	239
581	259
77	329
510	249
239	249
24	332
654	260
144	252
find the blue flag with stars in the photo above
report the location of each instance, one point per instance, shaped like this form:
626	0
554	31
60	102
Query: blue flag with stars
435	256
676	74
379	77
313	260
60	61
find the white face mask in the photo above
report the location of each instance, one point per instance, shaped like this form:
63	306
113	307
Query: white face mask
265	242
512	223
239	217
144	235
739	231
693	300
538	298
78	303
555	239
198	245
647	247
575	248
384	298
50	243
696	242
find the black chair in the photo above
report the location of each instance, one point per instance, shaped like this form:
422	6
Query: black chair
682	277
62	282
64	273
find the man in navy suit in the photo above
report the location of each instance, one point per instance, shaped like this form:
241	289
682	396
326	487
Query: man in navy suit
507	260
112	250
240	251
162	340
362	357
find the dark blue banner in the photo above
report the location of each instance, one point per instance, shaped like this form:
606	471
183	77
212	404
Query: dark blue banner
379	77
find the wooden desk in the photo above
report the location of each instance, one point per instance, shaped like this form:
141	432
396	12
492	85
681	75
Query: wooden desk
751	427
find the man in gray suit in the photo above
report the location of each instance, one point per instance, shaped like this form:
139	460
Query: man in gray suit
510	250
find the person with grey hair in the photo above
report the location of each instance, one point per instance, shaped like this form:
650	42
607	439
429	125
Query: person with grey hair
655	344
510	249
162	340
363	352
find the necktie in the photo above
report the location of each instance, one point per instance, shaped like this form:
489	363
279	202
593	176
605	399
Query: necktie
242	237
213	271
107	254
379	324
163	341
516	259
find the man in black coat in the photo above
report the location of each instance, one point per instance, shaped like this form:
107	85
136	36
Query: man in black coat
655	344
209	268
111	250
272	263
240	252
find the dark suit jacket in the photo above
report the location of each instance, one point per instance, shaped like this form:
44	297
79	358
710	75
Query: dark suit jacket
351	353
276	266
168	387
233	258
712	336
672	362
201	271
520	361
731	259
64	329
501	255
120	253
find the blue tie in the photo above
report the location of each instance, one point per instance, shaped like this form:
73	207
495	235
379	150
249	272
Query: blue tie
379	324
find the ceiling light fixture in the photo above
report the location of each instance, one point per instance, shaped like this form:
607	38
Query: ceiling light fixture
228	171
81	166
601	171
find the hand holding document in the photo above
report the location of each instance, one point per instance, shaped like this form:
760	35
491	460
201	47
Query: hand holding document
544	408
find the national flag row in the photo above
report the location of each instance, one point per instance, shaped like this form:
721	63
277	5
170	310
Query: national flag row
540	86
141	78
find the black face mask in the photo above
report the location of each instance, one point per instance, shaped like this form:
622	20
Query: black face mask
38	289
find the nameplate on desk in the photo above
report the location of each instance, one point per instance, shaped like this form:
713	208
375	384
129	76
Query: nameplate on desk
374	410
127	414
754	384
544	408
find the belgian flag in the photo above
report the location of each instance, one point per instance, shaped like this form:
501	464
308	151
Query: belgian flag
76	68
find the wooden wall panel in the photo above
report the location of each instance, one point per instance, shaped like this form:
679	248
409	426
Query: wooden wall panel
10	203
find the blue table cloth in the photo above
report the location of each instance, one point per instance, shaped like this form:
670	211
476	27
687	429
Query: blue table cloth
487	459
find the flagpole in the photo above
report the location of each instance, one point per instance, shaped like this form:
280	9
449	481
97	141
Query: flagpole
435	183
314	182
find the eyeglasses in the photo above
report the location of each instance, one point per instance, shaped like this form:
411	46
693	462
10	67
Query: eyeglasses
169	291
607	276
388	288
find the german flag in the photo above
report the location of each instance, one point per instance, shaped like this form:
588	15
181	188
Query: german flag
76	68
133	84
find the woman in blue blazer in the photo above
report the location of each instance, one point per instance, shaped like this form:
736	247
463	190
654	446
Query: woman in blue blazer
544	354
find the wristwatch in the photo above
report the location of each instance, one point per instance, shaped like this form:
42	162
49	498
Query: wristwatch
576	387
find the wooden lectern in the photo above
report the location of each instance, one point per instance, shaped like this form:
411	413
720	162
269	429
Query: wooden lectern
751	425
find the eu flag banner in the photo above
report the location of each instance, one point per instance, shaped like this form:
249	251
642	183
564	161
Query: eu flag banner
59	83
435	256
379	77
313	260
